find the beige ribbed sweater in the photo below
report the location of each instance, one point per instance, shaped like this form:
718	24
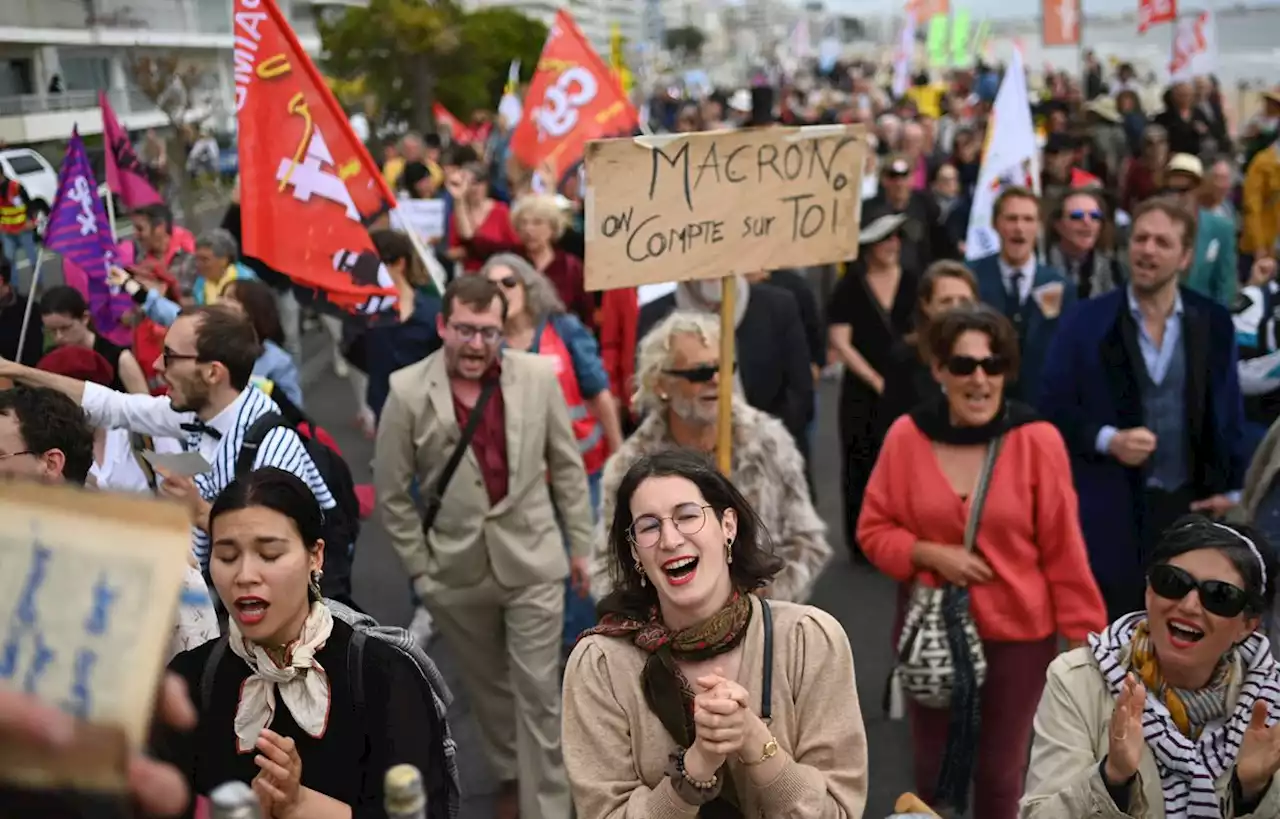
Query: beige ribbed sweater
616	750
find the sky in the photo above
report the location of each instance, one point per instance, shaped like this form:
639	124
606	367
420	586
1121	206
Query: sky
1025	9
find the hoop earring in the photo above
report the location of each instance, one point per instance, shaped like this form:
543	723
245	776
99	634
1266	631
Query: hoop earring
728	550
640	571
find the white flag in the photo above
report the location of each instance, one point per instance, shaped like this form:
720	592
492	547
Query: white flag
1195	48
1010	158
902	57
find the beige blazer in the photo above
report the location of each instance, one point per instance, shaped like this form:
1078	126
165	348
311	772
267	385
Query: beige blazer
518	540
1071	736
616	750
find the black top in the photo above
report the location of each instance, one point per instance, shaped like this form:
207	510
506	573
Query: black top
111	352
797	285
875	330
907	382
349	760
11	315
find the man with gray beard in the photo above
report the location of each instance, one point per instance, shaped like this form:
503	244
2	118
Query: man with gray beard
1142	382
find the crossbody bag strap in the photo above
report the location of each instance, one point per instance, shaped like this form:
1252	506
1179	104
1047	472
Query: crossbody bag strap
766	690
980	493
455	458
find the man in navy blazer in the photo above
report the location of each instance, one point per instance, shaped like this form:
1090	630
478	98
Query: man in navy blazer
1030	294
1142	384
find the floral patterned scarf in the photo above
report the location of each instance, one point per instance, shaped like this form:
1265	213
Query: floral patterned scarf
666	690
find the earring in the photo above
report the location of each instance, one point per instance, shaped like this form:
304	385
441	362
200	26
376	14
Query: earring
317	576
728	550
640	571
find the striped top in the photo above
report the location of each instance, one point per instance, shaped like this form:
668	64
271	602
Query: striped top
1190	768
219	442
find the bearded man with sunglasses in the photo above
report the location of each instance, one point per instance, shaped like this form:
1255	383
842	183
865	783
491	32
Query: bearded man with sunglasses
1143	384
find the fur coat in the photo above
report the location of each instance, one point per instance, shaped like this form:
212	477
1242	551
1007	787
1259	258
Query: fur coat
767	469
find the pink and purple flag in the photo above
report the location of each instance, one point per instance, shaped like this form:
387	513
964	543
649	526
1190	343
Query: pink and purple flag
125	174
79	232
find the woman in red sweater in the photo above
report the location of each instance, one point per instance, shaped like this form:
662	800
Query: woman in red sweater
1027	578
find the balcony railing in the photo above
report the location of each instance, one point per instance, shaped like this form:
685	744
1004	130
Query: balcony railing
123	102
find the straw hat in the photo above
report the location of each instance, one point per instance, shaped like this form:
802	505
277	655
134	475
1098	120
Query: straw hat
1185	163
1104	107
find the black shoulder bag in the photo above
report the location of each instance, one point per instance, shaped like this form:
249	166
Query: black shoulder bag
433	499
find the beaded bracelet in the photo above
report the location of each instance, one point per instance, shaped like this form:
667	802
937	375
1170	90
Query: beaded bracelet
700	784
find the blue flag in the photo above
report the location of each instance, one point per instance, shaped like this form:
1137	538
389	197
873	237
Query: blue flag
80	232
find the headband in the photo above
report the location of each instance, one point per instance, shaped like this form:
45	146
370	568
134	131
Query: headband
1262	566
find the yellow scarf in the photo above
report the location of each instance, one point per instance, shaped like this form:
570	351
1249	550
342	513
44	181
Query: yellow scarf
1144	663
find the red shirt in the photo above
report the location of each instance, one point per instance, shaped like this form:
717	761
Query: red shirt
490	441
492	236
1029	532
565	272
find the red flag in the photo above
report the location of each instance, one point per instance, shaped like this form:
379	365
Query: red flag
1154	12
308	187
125	174
460	133
573	98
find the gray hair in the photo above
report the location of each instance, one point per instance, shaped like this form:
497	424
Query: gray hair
653	353
540	297
220	242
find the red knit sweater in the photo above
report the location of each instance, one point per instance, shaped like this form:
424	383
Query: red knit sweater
1029	533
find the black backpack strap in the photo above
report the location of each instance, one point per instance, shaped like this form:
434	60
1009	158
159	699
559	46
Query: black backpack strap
207	676
253	438
355	667
455	458
766	688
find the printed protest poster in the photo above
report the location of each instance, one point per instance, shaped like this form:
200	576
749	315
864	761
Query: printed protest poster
89	588
719	203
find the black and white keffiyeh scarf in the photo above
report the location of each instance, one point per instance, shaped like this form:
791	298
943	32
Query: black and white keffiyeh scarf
1189	769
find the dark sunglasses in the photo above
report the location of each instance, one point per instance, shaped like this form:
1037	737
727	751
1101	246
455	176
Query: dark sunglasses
699	375
968	365
1081	215
1218	597
509	282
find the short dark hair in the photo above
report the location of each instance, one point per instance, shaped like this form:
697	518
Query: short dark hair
63	300
156	214
458	155
49	420
259	303
754	562
942	333
276	489
942	269
1191	532
1177	212
476	292
227	337
1008	195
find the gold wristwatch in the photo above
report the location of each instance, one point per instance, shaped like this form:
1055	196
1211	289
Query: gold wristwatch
767	753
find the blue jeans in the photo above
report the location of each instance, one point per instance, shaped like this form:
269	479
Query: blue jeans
25	241
580	612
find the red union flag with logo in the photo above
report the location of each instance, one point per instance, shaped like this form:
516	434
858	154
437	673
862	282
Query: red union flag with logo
573	99
1154	12
308	187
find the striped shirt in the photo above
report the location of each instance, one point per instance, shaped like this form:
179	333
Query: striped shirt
219	442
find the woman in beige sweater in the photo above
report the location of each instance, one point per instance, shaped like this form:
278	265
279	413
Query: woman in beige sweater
694	697
1169	713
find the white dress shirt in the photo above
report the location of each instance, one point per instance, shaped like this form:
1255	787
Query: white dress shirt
119	470
155	416
1028	271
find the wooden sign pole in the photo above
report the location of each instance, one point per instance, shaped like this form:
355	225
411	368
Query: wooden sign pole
724	407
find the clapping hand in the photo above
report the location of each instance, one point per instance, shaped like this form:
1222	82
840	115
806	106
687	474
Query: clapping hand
279	781
1259	756
720	714
117	276
1124	736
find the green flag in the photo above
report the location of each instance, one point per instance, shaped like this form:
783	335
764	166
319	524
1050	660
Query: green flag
960	55
937	44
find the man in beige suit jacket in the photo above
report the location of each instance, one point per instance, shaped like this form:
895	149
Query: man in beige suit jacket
492	569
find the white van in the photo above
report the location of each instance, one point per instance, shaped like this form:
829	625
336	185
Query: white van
35	174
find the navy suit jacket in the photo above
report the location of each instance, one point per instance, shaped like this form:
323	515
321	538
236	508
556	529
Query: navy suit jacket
1038	330
1091	380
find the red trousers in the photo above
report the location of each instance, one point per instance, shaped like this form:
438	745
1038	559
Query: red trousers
1010	695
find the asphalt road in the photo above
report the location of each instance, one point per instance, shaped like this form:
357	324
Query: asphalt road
860	598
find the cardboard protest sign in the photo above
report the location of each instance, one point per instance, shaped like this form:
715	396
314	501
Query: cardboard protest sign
705	205
89	587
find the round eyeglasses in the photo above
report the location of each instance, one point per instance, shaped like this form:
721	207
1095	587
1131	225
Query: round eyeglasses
688	518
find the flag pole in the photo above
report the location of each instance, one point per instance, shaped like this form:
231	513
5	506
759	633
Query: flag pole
31	300
724	406
111	214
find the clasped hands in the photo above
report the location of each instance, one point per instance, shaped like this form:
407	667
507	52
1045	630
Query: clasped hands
725	725
278	784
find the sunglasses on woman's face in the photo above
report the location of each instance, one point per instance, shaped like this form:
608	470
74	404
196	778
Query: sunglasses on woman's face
963	365
508	282
1081	215
1216	596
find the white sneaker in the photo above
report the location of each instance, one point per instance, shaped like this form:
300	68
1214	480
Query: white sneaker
423	628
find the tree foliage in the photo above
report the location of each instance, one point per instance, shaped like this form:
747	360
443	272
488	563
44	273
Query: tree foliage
687	39
411	53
